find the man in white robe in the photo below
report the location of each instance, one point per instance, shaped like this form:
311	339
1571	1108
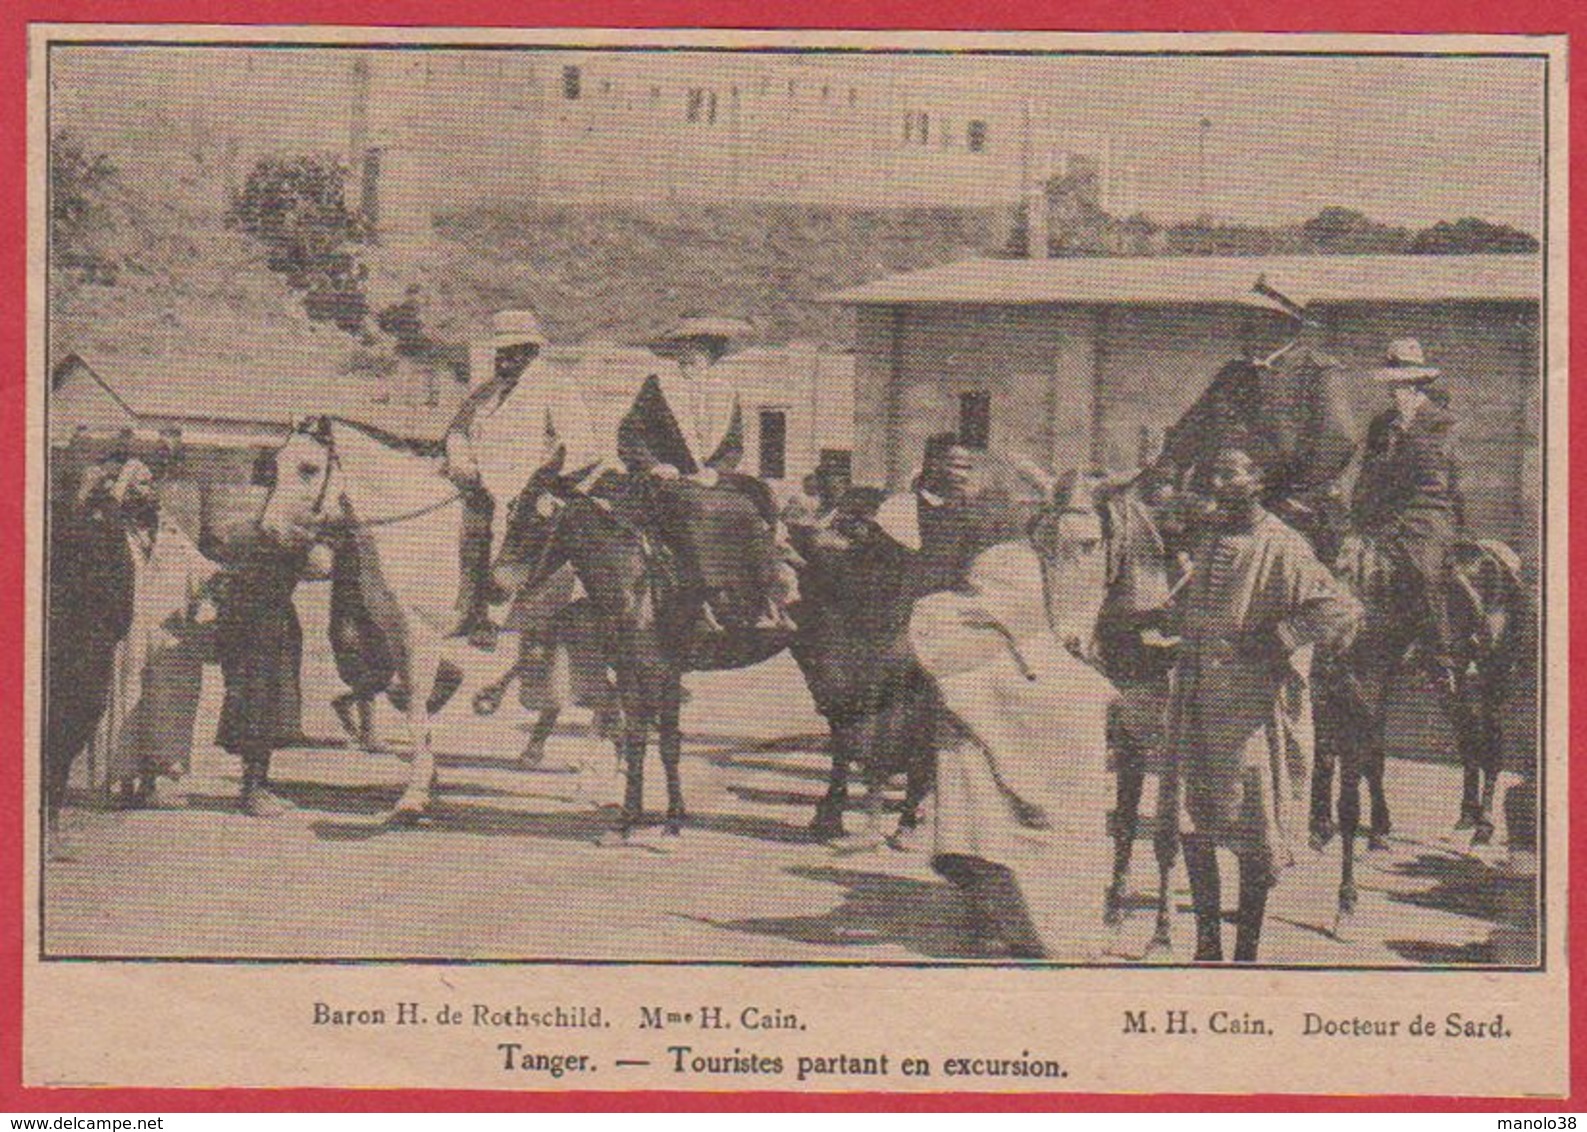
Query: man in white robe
1023	788
158	673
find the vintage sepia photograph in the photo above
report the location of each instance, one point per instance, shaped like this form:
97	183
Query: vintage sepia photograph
959	507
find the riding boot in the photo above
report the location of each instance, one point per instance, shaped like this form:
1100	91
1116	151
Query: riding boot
475	574
1201	863
1256	877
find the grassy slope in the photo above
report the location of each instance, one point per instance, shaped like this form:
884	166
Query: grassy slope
625	273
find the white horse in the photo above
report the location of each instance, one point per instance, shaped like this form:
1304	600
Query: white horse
406	516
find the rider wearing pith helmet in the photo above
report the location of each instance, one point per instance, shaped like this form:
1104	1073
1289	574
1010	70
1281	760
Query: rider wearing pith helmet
516	340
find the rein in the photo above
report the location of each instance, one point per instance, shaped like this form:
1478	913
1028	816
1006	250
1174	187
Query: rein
334	462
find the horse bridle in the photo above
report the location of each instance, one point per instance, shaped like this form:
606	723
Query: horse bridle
333	462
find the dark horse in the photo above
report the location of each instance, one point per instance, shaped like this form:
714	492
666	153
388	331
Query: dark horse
650	620
851	648
1488	610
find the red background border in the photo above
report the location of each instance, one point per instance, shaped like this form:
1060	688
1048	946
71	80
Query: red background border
1538	17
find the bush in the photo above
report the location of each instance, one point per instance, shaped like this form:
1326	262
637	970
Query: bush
297	207
80	183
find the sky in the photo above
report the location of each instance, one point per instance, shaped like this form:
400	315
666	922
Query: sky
1407	140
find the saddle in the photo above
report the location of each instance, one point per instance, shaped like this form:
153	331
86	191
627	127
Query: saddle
713	542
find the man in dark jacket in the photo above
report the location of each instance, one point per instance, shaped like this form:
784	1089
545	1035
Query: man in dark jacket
1408	492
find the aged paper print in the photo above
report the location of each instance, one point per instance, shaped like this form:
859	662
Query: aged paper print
613	560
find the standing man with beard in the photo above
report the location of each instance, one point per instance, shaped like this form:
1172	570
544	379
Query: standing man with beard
1257	597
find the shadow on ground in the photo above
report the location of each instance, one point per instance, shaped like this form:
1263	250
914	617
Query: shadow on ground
1467	886
877	909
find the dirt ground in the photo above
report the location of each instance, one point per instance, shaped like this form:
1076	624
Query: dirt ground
512	864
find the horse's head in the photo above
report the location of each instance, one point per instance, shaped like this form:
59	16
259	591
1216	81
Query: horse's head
529	534
1488	600
300	477
1069	534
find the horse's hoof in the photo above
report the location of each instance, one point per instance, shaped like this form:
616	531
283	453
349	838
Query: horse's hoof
827	827
1483	834
487	702
1162	942
1321	835
1377	842
1112	906
1467	820
531	756
675	820
1347	900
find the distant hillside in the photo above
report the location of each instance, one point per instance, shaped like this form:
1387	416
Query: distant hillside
625	273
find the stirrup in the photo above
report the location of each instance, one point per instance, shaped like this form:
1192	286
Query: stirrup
708	619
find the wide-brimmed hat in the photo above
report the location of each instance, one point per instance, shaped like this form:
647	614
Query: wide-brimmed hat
515	328
1404	364
693	327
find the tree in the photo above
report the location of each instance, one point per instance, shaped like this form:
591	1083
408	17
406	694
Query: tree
1468	236
297	207
80	183
1344	231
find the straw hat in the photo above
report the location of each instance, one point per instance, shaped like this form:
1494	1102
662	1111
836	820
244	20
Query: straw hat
515	328
1404	364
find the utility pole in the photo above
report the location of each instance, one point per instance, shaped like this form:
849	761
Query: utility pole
1203	130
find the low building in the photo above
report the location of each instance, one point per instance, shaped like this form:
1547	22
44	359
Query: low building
1088	361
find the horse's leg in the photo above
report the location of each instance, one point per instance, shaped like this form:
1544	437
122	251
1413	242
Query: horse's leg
636	727
1129	779
1201	862
534	751
1322	788
487	701
1470	784
345	706
422	662
1378	832
669	738
1349	822
828	820
1488	756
